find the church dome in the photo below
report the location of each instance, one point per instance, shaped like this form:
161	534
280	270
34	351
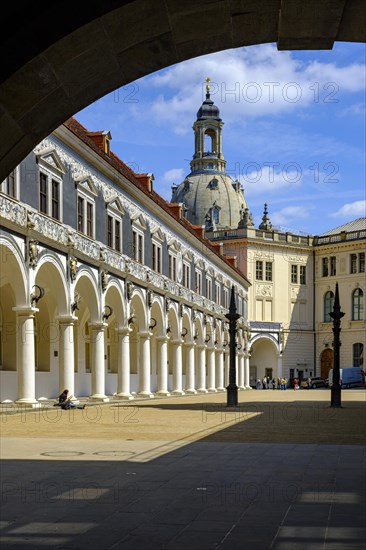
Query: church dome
213	200
208	110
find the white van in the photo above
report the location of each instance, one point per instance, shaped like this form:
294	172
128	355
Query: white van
350	377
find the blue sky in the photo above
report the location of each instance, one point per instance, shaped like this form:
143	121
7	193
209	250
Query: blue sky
294	131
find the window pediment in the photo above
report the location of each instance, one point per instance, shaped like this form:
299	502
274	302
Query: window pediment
174	247
138	220
116	204
157	234
87	184
50	159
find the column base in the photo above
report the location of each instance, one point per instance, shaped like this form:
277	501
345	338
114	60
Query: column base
241	388
146	394
99	397
163	393
212	390
202	390
248	388
28	403
177	392
220	389
124	396
190	392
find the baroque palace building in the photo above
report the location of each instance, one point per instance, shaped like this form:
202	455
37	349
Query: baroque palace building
292	275
111	291
106	288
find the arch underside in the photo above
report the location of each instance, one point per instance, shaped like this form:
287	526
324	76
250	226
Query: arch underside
95	51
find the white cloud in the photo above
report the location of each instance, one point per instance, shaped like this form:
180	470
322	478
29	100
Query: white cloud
254	81
289	214
355	209
357	109
175	175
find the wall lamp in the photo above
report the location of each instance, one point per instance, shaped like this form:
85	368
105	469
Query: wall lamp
224	343
152	323
75	303
37	294
208	338
184	332
195	337
107	312
168	329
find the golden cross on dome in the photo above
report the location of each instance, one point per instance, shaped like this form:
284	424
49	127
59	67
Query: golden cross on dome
208	80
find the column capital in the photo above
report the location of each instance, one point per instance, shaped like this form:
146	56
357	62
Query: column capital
145	334
98	326
25	311
66	319
177	342
162	339
124	330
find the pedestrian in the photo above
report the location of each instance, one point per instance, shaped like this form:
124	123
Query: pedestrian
274	384
65	402
309	383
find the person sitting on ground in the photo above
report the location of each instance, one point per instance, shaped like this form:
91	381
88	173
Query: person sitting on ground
66	403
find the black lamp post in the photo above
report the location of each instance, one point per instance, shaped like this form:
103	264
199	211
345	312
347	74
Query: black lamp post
336	314
232	317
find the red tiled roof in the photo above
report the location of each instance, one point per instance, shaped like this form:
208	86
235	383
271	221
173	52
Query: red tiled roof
81	132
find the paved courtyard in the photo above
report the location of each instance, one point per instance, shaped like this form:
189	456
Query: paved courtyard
282	471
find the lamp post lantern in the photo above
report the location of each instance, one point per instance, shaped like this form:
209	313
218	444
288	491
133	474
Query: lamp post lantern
336	314
232	317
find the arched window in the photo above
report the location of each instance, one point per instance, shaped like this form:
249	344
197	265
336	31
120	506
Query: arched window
328	306
357	305
358	355
216	214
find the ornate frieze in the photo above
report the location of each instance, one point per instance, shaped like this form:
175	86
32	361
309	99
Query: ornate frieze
85	246
263	290
13	211
48	227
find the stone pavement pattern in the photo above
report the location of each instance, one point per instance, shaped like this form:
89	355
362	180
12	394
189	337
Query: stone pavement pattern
283	471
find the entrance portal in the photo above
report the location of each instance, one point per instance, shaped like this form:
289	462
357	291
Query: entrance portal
326	362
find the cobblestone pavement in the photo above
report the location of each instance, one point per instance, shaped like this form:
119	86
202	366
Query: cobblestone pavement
282	471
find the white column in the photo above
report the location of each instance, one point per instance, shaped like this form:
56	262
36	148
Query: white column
226	367
98	365
177	368
66	355
279	366
240	382
246	372
26	357
211	370
144	374
124	372
220	370
162	365
201	369
190	385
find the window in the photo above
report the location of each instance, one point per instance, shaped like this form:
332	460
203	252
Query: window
10	185
86	193
216	214
50	194
56	199
268	271
357	305
324	267
43	193
114	228
333	270
198	281
217	293
294	271
226	298
358	355
361	262
353	266
259	270
328	306
208	288
137	246
186	275
302	275
156	257
173	267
